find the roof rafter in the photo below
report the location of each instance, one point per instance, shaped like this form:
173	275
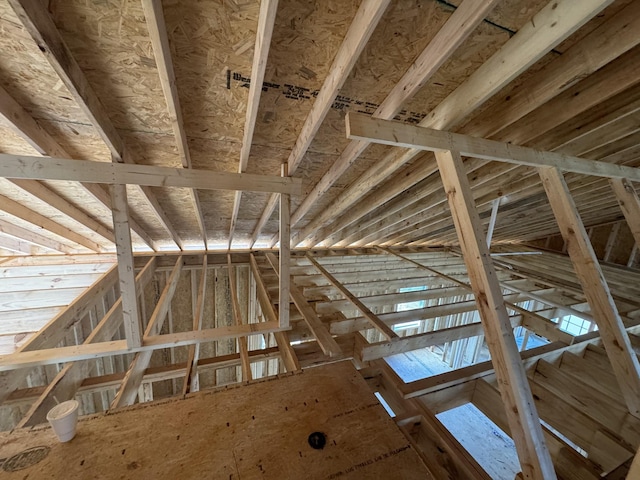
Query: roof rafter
162	51
360	30
20	211
456	30
15	245
266	21
33	237
19	120
555	22
42	29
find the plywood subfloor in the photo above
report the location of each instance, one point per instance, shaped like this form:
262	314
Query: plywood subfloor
256	431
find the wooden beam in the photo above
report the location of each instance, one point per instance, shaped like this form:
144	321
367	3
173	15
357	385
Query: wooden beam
261	291
162	52
66	383
360	30
284	278
568	462
375	321
36	168
266	21
16	245
373	351
20	121
604	44
317	327
288	356
551	25
35	238
39	24
191	378
59	326
41	192
386	132
629	203
128	390
50	356
128	293
20	211
492	221
614	336
514	387
160	214
242	341
103	382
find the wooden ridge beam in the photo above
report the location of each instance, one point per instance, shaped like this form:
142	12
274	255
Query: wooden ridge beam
364	23
399	134
162	52
614	336
35	168
317	327
266	21
514	389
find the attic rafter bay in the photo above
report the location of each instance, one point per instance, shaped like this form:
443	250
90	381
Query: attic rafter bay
38	168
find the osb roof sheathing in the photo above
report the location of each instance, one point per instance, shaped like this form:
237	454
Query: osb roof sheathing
212	46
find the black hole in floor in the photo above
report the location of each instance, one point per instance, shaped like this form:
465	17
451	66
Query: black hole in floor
317	440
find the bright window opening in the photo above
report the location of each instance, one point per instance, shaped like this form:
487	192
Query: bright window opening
414	305
575	325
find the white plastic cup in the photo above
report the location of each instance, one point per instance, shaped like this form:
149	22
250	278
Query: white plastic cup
63	419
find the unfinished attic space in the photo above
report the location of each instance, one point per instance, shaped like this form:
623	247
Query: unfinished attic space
332	239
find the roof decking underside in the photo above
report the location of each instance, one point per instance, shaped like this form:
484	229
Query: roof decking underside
212	45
